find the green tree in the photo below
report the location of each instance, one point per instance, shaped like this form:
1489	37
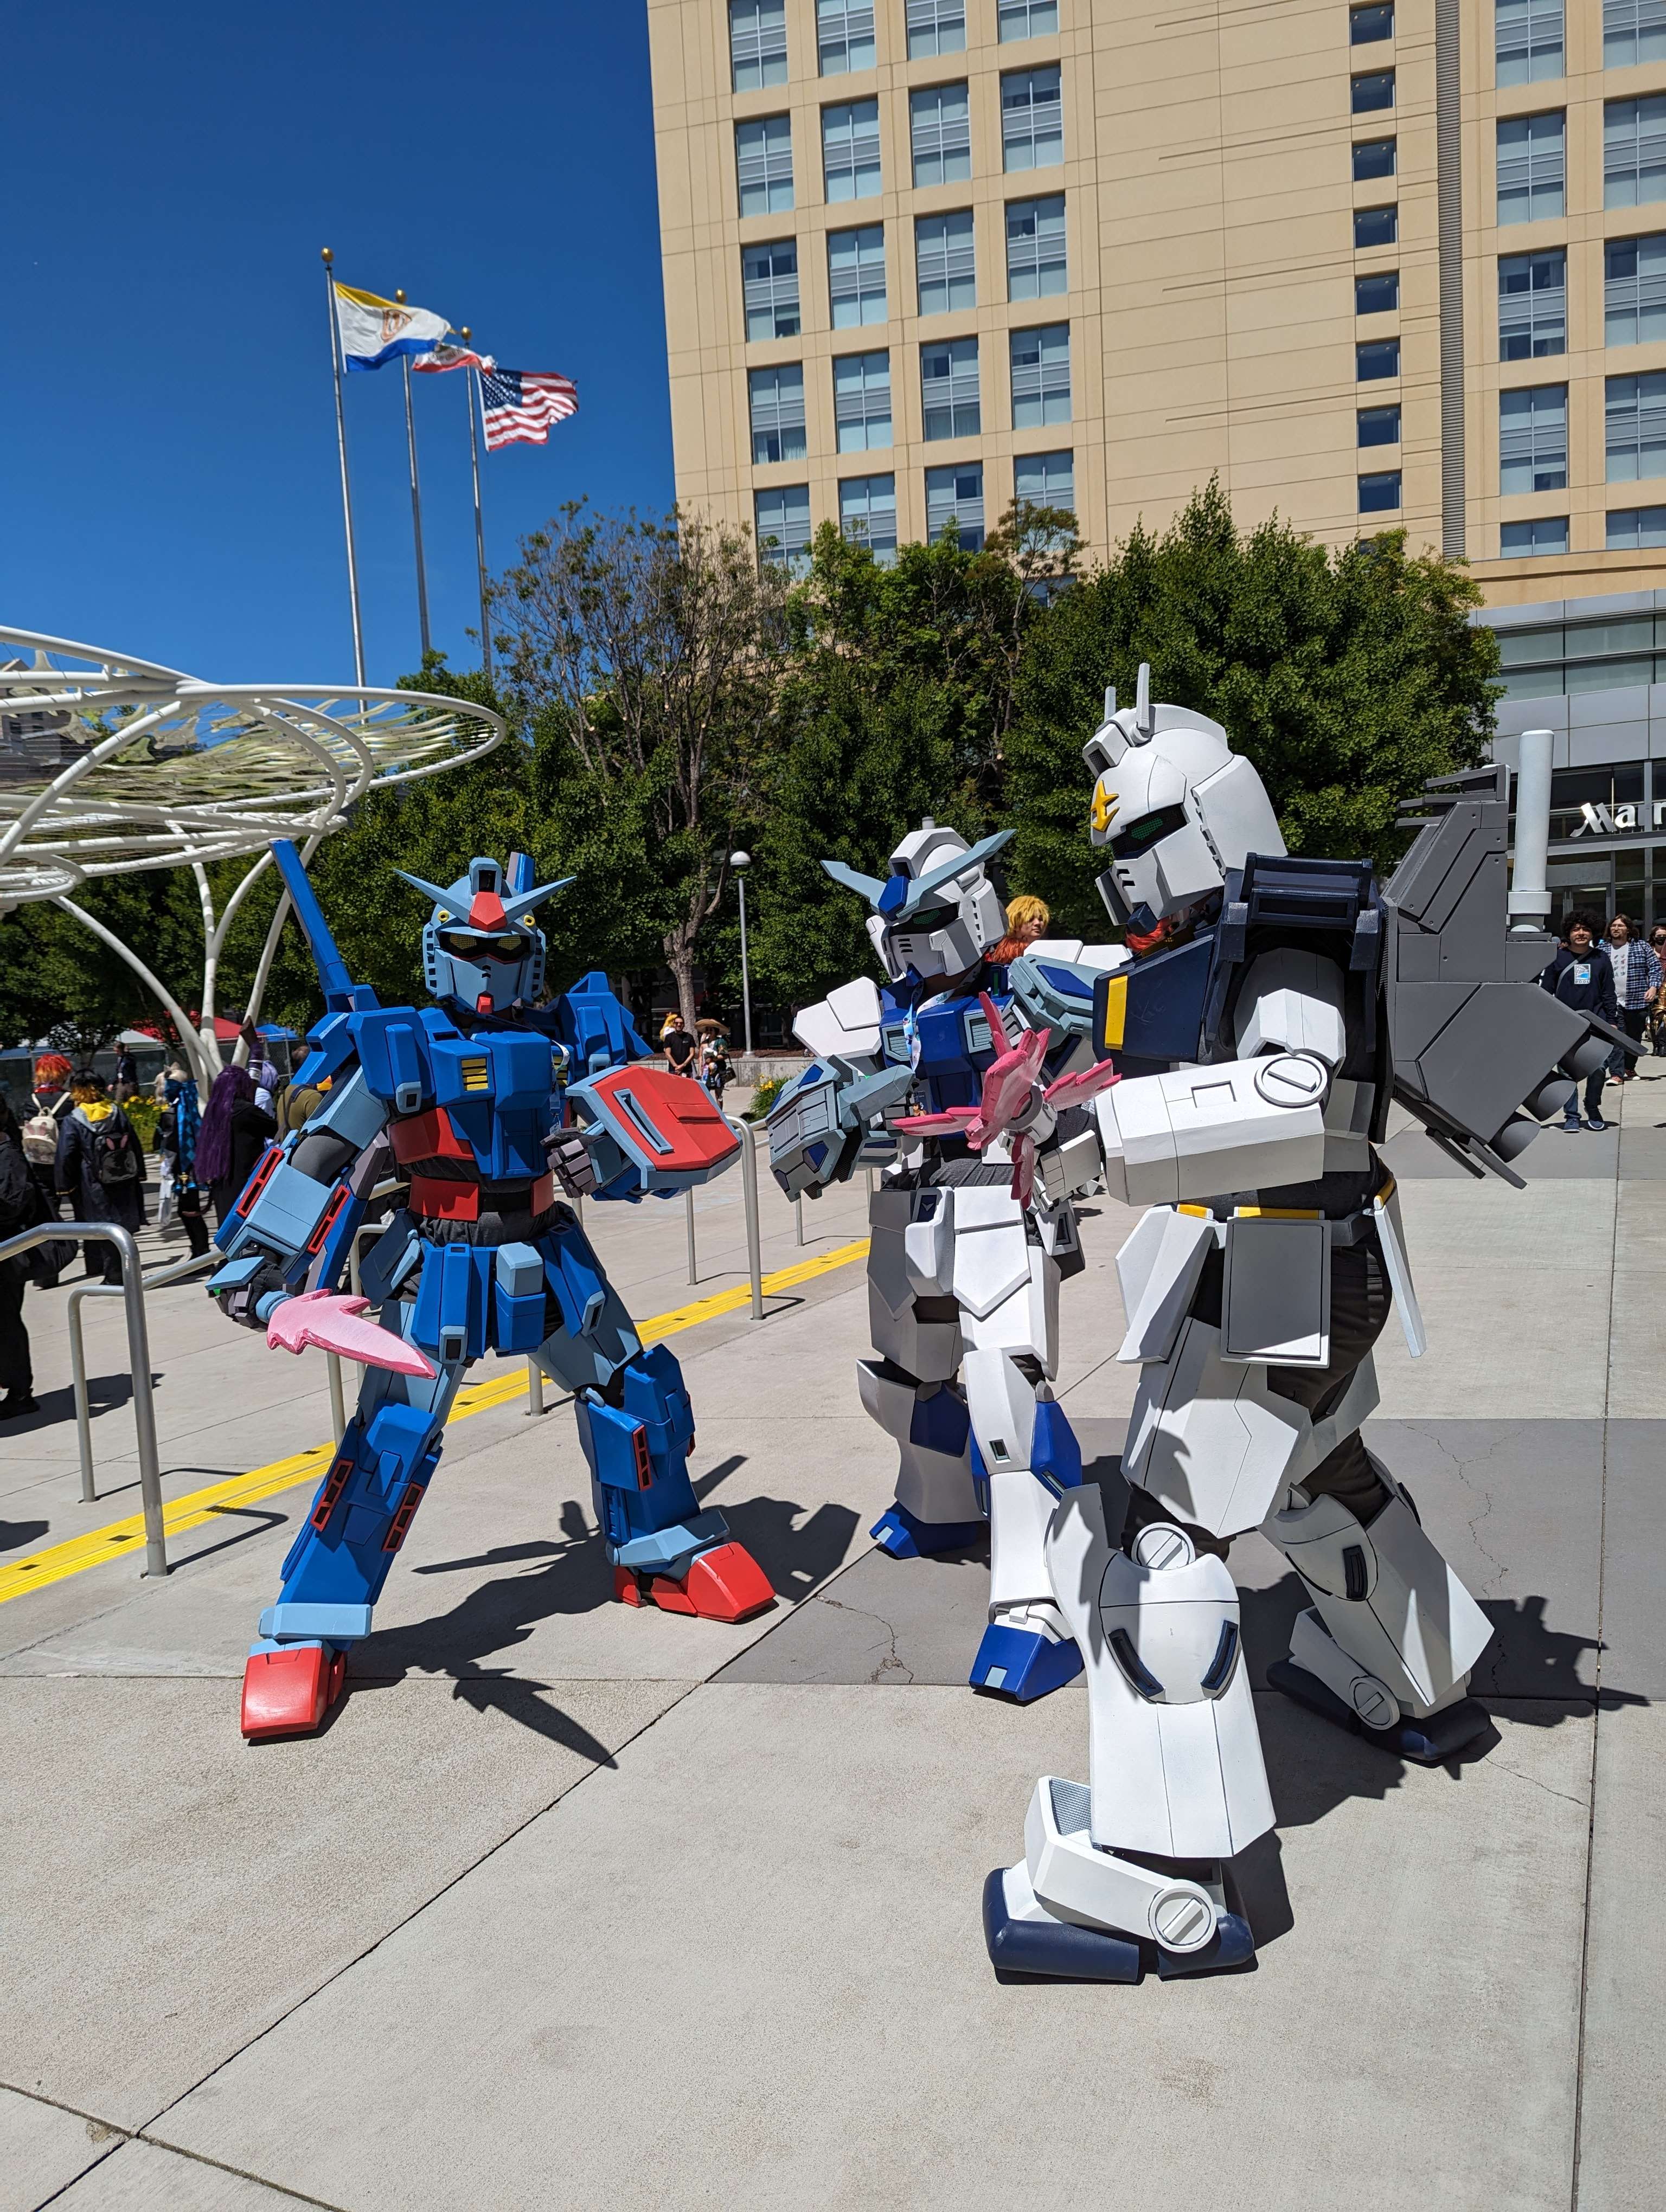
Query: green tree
1348	675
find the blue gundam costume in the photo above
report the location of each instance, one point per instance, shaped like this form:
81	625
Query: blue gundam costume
481	1108
989	1053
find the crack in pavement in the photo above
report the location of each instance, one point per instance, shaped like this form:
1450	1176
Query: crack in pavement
891	1659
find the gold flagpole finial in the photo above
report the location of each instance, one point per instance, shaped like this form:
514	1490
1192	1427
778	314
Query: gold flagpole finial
465	333
400	297
327	256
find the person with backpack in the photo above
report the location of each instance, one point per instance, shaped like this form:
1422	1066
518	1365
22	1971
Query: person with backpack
1582	978
176	1145
100	1168
20	1209
49	1102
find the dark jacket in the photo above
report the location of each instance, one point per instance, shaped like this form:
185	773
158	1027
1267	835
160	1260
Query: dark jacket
1596	994
77	1172
251	1130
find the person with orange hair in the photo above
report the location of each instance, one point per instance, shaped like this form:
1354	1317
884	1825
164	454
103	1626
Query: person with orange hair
49	1102
1028	918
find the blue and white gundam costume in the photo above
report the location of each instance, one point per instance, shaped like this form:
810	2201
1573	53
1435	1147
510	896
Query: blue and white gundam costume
1276	1006
969	1247
481	1108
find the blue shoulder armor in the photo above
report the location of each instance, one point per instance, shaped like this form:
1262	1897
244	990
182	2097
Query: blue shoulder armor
596	1029
393	1049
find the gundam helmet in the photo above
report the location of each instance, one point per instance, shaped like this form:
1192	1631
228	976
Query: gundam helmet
1177	807
937	914
476	947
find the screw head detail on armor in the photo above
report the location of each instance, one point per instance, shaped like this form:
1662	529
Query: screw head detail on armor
1175	806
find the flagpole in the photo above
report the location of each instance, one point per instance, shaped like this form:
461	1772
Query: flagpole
341	447
415	503
468	376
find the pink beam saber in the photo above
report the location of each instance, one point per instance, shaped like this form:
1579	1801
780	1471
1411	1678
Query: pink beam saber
334	1323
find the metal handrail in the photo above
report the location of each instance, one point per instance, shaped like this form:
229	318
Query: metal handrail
138	1353
174	1272
746	1131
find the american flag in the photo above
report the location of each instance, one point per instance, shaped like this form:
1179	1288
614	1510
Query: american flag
520	404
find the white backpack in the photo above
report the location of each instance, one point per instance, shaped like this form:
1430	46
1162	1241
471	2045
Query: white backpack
40	1138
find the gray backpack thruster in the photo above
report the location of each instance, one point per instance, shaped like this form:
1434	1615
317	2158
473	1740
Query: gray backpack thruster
1481	1055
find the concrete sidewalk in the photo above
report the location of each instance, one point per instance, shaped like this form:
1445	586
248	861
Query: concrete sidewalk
571	1905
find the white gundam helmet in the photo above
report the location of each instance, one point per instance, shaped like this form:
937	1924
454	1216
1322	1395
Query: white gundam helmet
1176	806
937	914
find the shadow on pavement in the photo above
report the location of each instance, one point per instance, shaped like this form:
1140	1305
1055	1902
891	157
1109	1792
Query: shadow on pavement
14	1534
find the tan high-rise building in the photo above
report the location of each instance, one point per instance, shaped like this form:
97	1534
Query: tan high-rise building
1390	260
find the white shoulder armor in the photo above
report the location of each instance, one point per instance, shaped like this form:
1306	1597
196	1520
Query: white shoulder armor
846	1022
1072	948
1292	1001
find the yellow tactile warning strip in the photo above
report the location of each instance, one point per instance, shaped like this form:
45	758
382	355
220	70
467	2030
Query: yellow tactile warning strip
77	1553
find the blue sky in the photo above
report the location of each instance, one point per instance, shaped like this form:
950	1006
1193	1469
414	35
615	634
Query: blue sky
166	423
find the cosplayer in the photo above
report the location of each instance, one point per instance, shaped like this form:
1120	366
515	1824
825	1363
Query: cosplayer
480	1106
973	1225
1273	1008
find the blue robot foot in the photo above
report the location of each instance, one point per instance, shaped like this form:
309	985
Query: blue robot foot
898	1532
1232	1945
1023	1664
1054	1947
1425	1742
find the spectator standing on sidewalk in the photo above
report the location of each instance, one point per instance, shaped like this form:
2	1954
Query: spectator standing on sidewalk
235	1133
100	1168
680	1048
1652	1028
1582	977
20	1208
49	1102
125	1080
1636	989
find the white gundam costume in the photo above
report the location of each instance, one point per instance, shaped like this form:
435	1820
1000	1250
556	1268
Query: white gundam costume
1276	1006
972	1080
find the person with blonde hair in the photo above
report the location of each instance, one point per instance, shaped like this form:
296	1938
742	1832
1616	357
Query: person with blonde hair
1027	919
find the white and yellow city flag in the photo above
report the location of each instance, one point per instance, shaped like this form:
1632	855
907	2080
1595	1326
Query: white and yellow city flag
373	330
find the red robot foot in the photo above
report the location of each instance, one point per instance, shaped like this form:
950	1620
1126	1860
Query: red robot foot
724	1584
289	1692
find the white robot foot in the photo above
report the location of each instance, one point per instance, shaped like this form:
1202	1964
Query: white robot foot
1075	1911
1340	1690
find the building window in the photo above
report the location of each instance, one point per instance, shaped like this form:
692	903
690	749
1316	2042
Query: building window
1379	494
948	390
936	27
1634	289
867	516
1546	533
954	496
1633	151
1635	413
1045	480
1027	19
1367	25
1531	167
940	133
844	36
1041	376
1377	226
1373	158
769	285
1533	439
850	151
781	517
1032	119
1367	93
1379	426
777	401
945	262
1377	296
1527	40
1633	31
1378	357
1637	529
1036	259
856	275
757	43
1532	304
861	401
763	165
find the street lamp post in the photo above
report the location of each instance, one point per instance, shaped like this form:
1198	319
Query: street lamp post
740	862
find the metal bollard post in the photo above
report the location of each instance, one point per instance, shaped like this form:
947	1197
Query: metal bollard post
798	1218
534	1387
337	1402
688	1203
868	1172
748	1193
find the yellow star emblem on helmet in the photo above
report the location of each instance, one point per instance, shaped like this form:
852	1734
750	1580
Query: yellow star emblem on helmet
1104	808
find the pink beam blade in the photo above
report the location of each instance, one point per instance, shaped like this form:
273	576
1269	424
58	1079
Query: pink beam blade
335	1324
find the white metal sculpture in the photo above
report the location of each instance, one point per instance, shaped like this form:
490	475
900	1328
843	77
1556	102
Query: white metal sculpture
110	765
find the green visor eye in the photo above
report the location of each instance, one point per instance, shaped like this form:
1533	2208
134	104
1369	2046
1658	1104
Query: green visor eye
927	918
471	944
1147	830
